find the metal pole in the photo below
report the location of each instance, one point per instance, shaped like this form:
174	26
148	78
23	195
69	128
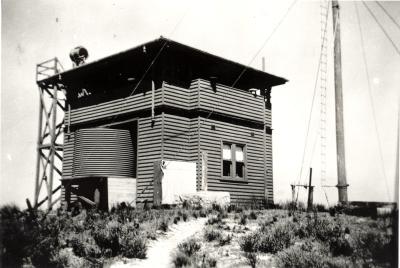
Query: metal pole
340	150
263	64
310	193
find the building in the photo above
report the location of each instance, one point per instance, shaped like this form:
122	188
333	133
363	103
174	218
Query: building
166	100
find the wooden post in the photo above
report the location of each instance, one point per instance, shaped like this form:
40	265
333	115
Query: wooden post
52	147
293	193
39	142
157	178
340	151
396	173
204	171
310	193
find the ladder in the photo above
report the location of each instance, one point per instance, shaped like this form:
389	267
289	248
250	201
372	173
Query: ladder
323	74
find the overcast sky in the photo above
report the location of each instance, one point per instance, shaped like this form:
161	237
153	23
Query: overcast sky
36	31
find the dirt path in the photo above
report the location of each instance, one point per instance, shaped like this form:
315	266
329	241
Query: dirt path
159	251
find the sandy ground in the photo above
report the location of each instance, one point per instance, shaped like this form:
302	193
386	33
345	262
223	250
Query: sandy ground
159	253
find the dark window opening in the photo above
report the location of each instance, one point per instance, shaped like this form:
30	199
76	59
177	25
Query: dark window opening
227	165
233	161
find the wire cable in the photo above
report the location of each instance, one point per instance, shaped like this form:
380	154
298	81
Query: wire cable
382	28
240	75
388	14
312	105
371	99
265	42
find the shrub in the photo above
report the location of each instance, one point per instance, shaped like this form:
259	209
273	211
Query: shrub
374	245
195	214
23	235
189	247
297	257
163	226
134	247
340	246
185	204
209	261
177	219
222	214
252	215
184	216
213	220
243	219
320	208
108	236
210	234
310	254
202	213
249	243
225	240
276	239
181	260
251	258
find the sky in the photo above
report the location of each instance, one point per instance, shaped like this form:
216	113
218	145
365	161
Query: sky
236	30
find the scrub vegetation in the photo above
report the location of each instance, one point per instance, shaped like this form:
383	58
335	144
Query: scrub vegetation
288	237
232	236
82	237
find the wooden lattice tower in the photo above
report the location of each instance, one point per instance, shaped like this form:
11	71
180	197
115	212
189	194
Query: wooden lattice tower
50	136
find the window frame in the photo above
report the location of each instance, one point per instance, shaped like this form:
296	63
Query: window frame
233	176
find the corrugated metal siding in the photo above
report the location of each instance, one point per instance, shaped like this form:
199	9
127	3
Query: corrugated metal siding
230	101
68	155
177	96
149	150
178	136
133	103
268	118
103	152
269	183
210	141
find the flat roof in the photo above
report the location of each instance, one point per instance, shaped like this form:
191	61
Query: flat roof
173	59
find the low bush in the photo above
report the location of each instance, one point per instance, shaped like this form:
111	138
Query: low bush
195	214
184	216
310	254
177	219
373	245
209	261
181	260
163	225
213	220
202	213
252	215
224	240
243	219
251	258
216	207
249	243
277	238
134	247
211	234
189	247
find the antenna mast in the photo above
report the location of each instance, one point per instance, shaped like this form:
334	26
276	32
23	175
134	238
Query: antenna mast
340	150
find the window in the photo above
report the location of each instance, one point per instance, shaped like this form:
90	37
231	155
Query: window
233	161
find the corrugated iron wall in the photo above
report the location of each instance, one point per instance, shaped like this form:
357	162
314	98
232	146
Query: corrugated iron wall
103	152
